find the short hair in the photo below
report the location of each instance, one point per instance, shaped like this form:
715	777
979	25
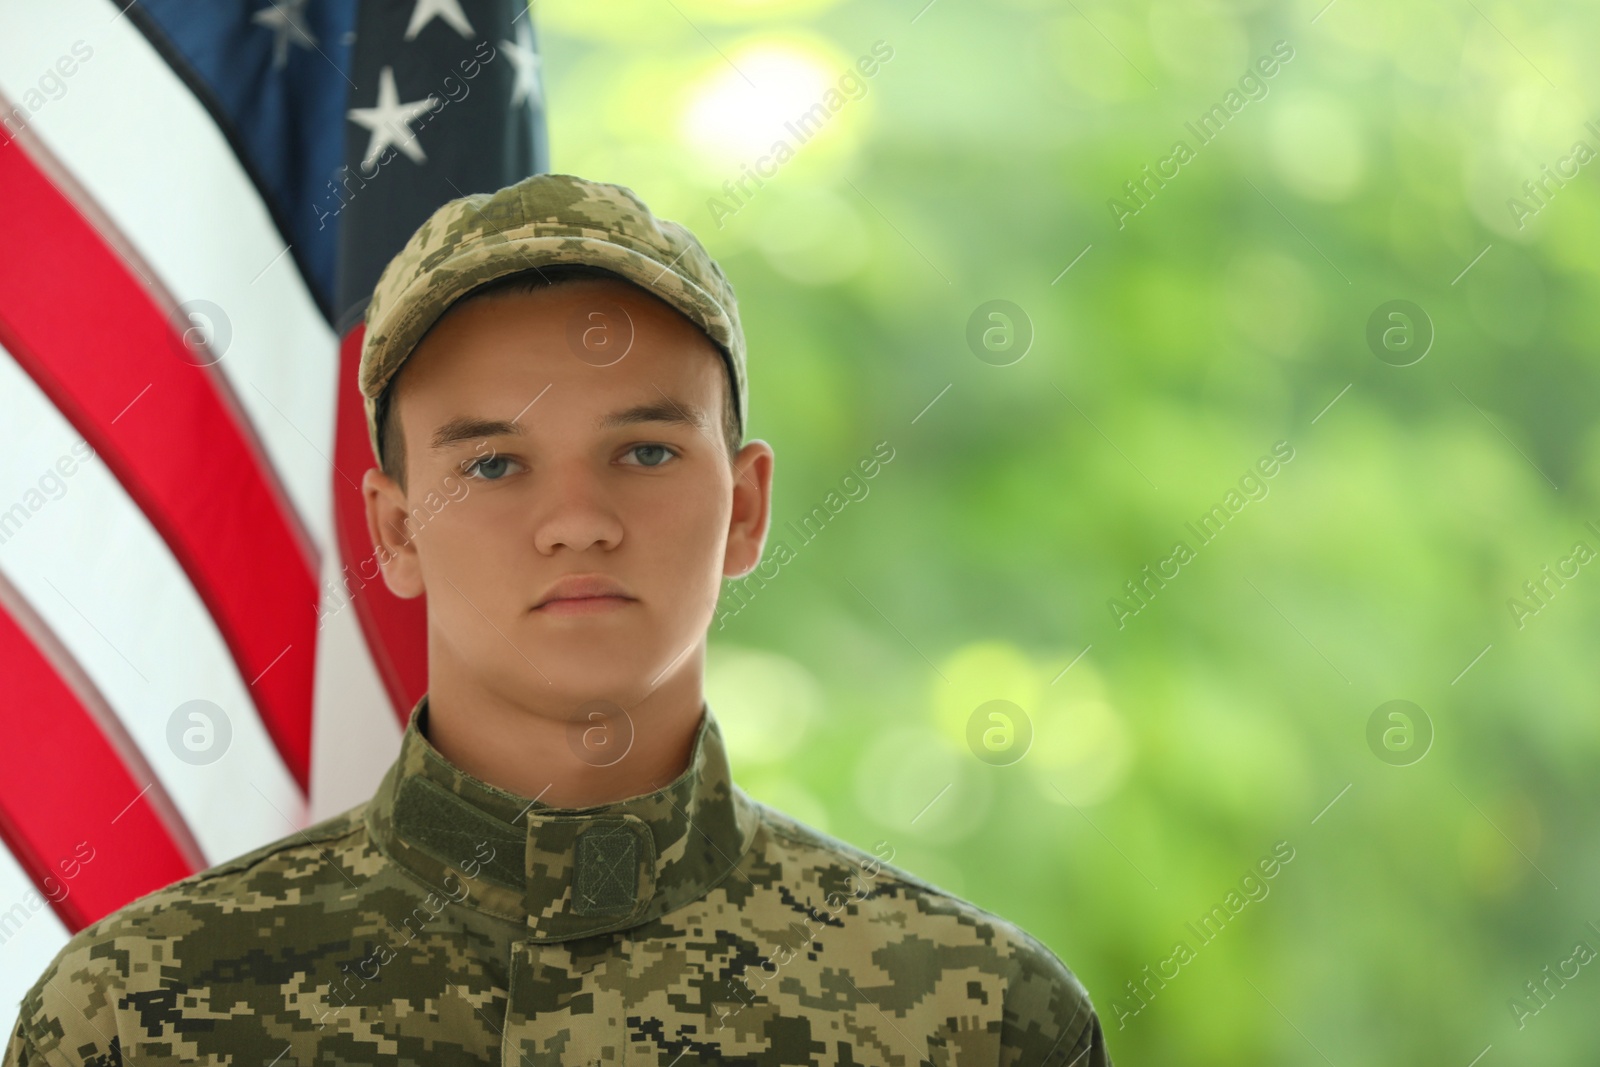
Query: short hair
391	442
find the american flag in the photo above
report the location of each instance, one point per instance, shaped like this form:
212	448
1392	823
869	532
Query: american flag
197	654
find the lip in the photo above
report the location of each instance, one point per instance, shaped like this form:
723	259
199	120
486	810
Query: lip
583	594
583	605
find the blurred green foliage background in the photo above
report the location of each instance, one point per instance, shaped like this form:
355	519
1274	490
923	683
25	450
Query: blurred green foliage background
1229	313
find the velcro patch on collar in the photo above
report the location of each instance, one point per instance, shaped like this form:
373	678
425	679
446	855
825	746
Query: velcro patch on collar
605	877
452	831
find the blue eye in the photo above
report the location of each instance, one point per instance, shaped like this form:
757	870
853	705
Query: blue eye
663	450
490	469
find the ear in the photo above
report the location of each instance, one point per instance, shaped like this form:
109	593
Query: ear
386	525
752	509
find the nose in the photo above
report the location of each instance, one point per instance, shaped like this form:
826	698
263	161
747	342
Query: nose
575	510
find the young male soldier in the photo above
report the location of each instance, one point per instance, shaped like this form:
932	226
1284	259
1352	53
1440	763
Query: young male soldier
558	868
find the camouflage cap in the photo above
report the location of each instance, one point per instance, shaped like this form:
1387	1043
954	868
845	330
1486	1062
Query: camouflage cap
541	220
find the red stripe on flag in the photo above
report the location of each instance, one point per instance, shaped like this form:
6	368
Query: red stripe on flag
102	349
396	630
79	808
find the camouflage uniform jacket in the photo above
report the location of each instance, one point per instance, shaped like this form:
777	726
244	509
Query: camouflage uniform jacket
445	922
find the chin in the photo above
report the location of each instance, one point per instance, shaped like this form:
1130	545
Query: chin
592	670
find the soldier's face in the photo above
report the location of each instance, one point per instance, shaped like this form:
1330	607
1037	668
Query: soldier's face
574	431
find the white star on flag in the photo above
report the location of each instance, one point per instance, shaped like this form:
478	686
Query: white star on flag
526	60
449	10
287	21
390	121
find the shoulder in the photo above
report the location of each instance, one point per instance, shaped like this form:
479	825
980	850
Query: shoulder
290	849
1048	1017
252	880
127	958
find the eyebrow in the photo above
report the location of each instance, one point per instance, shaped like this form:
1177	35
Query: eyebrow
467	427
667	410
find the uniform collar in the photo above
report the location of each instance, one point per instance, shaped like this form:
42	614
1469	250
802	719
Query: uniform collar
565	872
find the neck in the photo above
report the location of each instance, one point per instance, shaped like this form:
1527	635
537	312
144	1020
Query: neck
556	751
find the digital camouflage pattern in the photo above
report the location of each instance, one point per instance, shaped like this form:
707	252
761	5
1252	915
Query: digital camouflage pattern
448	922
543	219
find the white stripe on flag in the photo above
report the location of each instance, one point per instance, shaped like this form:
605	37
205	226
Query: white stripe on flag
30	934
355	735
